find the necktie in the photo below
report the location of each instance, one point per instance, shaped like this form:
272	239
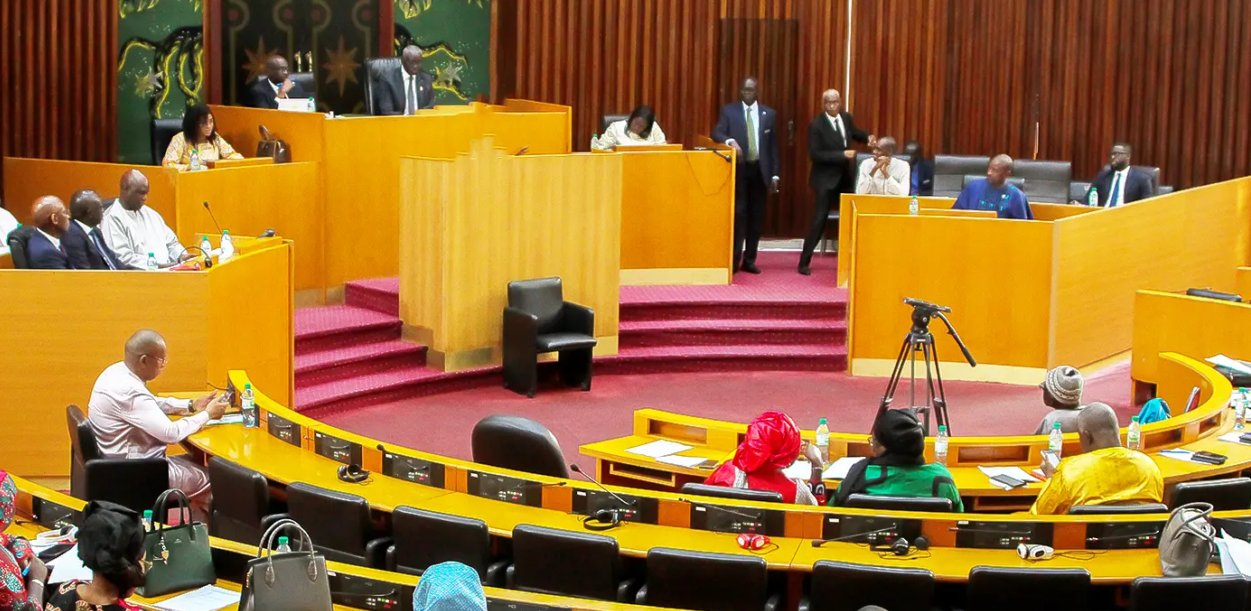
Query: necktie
103	253
753	153
838	127
1116	190
412	94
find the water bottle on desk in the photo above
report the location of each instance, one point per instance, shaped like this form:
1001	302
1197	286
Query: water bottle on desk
594	139
1056	442
913	207
1133	438
247	401
152	264
1092	200
207	247
823	441
228	248
940	445
195	161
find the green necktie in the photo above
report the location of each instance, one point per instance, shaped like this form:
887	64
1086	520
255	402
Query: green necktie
753	153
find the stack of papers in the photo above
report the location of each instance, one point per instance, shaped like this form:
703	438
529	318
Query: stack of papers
1234	437
690	462
1221	360
839	468
208	598
68	567
1235	555
658	449
227	419
800	470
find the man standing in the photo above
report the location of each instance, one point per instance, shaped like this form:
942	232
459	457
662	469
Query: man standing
1118	184
833	165
84	244
883	174
44	250
406	89
274	86
749	127
133	230
994	193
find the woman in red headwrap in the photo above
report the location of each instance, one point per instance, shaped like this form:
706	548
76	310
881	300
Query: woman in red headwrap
771	445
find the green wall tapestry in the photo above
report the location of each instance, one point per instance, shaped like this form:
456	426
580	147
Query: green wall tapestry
456	38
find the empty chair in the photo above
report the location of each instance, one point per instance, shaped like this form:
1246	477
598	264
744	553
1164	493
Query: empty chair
163	130
338	524
132	482
537	321
684	579
996	589
1099	510
1078	191
425	538
569	563
242	508
520	444
949	172
840	586
376	70
1218	593
1045	181
899	503
1223	494
725	492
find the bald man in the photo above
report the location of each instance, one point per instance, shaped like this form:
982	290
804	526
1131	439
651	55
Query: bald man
1103	474
831	140
275	85
133	230
883	174
406	89
83	241
130	422
44	250
994	193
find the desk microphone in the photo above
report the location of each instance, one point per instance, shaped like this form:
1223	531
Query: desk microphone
604	519
1120	537
724	509
576	469
714	152
210	211
820	542
208	257
991	531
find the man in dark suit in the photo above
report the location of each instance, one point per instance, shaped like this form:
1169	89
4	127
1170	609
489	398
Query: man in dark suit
406	89
1119	184
922	169
84	244
749	127
833	165
275	85
44	250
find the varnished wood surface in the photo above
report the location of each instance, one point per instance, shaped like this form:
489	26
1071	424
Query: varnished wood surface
26	180
1174	322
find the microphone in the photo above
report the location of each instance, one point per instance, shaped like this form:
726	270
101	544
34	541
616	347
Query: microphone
714	152
208	257
725	509
1119	537
210	211
576	469
820	542
269	233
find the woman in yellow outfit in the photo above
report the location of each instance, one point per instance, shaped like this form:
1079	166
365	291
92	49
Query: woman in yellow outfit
199	136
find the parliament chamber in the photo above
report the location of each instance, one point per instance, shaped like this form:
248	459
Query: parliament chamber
348	273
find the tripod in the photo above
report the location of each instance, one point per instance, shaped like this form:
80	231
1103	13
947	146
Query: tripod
919	339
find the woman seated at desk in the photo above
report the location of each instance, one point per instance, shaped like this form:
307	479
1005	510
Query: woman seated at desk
898	466
771	445
198	140
639	130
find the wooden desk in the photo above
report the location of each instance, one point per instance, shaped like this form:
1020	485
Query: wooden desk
26	180
1174	322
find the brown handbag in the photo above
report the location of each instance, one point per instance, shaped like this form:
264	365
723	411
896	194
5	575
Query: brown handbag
272	147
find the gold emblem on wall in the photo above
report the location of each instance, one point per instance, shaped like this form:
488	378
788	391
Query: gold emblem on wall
341	66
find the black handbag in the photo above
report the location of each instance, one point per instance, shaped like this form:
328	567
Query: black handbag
287	581
274	148
178	557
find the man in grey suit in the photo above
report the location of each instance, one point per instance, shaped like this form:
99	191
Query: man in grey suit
406	89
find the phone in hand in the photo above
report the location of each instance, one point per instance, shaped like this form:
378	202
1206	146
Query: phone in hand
1051	458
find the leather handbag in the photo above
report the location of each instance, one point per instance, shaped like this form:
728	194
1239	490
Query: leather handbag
1187	541
274	148
178	557
287	581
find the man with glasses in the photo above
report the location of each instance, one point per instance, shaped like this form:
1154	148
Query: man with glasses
1119	183
130	422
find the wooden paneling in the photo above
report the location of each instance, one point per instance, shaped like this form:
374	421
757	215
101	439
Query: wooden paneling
26	180
1171	322
58	81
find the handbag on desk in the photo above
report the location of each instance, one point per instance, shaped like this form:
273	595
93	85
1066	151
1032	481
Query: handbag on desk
272	147
1187	541
178	557
288	581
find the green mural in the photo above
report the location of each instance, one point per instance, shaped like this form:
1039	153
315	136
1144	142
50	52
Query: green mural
160	63
456	38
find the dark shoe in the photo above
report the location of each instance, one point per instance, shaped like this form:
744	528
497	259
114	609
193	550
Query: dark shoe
804	270
751	268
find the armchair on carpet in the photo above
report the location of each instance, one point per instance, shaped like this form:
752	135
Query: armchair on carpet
539	320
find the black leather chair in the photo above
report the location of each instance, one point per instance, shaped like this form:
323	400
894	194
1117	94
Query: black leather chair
425	538
840	586
132	482
242	508
999	588
307	82
17	246
520	444
1223	494
1153	172
1078	191
900	503
539	320
861	157
568	563
607	120
683	579
163	130
725	492
949	171
1046	182
375	71
1164	190
1015	181
1103	510
339	525
1217	593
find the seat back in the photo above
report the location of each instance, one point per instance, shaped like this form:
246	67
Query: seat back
425	538
684	579
82	436
565	562
543	297
1223	494
1153	172
376	70
998	588
307	82
17	246
949	171
1015	181
1218	593
1078	191
240	501
338	523
899	503
520	444
1164	190
163	131
1099	510
607	120
1045	181
840	586
725	492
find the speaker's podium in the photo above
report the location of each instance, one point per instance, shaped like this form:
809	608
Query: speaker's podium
471	224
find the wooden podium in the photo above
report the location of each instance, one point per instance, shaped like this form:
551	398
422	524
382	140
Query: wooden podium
472	224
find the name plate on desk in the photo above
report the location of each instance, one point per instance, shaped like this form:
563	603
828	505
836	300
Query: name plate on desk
738	519
873	530
1001	535
1123	535
53	515
284	429
644	510
346	452
507	489
412	469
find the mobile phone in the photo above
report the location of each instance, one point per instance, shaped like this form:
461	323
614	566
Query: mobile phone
1007	480
1211	458
1050	457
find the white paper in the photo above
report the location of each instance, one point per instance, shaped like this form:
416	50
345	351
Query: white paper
1239	553
297	104
839	468
800	470
1185	455
1016	472
656	449
1221	360
208	598
1234	437
67	567
227	419
689	462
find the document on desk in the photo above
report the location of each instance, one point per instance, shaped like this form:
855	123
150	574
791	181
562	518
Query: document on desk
1221	360
1179	454
208	598
1016	472
690	462
227	419
1234	437
1235	555
839	468
657	449
68	567
800	470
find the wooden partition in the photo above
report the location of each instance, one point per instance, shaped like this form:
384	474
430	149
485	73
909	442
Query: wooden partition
1242	283
470	225
852	205
303	132
1174	322
26	180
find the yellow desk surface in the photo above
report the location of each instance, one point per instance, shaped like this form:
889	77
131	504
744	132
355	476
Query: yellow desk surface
1175	322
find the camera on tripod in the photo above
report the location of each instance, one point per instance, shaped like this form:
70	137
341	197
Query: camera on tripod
919	339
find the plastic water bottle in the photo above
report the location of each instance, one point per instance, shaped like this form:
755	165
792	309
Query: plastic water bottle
228	248
823	441
147	520
1056	443
195	161
248	402
1239	402
1133	439
940	445
284	545
1092	200
594	139
207	247
152	264
913	207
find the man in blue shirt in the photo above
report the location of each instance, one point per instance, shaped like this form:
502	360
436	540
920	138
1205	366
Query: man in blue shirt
994	193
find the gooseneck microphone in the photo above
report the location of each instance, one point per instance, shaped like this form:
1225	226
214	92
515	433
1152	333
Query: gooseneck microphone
576	469
722	509
820	542
210	211
715	152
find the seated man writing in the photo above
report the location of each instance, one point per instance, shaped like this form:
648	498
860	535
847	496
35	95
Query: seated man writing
1103	474
771	445
130	422
1062	392
898	466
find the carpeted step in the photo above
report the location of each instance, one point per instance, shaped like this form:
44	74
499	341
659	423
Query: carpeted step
355	360
739	357
743	310
731	331
389	385
380	295
332	327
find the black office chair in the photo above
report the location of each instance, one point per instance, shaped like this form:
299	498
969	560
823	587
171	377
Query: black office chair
1078	191
683	579
307	82
1015	181
1045	182
567	563
1103	510
339	525
607	120
949	172
1223	494
840	586
242	509
1164	190
163	130
520	444
131	482
1217	593
376	71
17	240
726	492
538	320
999	588
900	503
425	538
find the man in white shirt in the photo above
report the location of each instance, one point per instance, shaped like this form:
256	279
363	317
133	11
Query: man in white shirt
883	174
130	422
7	224
132	229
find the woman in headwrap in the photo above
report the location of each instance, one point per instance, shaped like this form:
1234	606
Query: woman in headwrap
898	466
449	586
22	574
110	543
771	445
